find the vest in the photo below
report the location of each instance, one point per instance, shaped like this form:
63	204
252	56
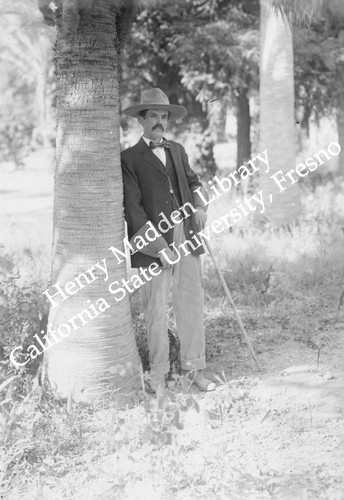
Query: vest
171	172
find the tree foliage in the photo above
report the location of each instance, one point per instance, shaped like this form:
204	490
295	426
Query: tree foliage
207	48
26	81
319	54
203	53
199	52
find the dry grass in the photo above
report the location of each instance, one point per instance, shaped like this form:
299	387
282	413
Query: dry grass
287	286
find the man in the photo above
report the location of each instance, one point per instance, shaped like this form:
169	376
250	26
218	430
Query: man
157	181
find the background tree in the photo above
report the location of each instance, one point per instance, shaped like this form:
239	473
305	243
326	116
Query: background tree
206	54
319	55
227	42
277	123
149	61
277	100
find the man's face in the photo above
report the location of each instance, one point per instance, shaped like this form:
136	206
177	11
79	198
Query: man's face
154	124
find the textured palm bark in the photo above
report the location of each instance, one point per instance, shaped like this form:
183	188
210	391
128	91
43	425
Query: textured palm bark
88	209
277	123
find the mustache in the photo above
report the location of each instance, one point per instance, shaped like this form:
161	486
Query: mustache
158	125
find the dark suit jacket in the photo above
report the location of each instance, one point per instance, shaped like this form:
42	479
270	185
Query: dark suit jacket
146	192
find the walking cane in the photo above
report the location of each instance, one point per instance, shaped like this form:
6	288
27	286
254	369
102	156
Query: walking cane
229	297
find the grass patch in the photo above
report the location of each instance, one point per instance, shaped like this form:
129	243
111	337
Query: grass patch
287	286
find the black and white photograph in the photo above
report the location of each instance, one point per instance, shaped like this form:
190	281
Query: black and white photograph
172	250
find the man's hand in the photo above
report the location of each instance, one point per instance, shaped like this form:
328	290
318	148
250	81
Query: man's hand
170	255
200	218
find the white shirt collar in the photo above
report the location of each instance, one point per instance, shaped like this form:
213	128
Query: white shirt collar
147	141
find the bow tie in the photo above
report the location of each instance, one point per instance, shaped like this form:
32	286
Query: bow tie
162	144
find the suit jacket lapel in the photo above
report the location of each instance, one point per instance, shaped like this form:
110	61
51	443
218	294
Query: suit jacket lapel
150	157
175	158
178	165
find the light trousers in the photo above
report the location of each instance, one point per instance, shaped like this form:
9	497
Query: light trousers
187	300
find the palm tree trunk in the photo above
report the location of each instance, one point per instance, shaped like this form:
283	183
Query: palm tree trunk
277	124
88	210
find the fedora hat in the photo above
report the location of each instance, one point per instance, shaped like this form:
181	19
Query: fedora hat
156	99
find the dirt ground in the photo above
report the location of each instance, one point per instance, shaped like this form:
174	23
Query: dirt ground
294	428
271	435
292	437
277	434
